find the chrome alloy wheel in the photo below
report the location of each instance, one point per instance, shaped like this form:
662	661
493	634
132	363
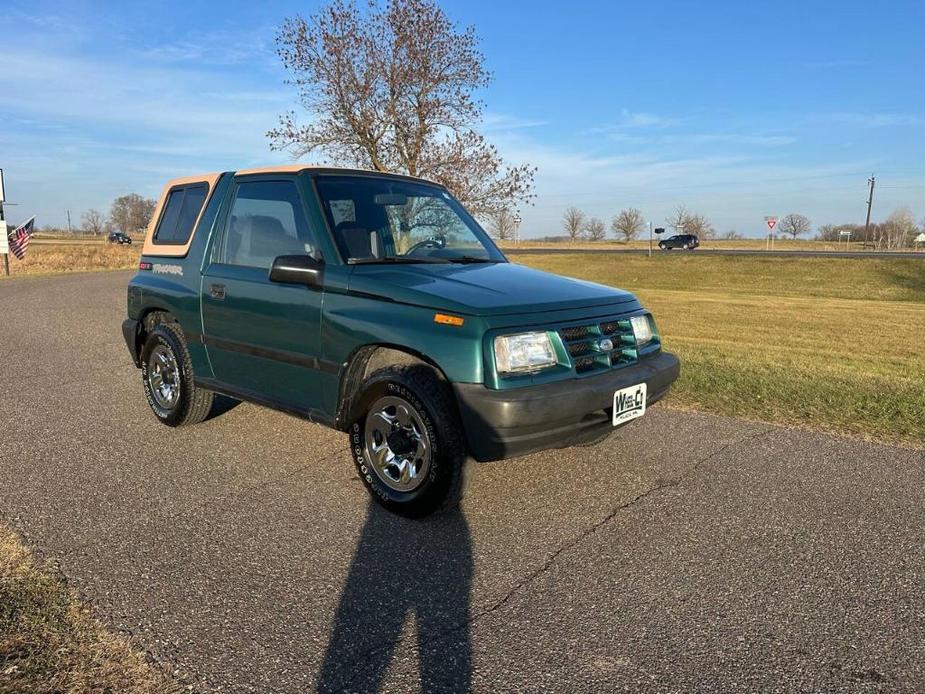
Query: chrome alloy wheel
164	377
397	444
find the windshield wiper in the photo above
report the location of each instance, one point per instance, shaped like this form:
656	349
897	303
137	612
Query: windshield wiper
471	259
394	259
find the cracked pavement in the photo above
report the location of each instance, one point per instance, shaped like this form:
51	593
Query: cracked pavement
685	553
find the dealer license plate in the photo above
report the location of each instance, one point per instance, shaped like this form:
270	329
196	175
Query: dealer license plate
629	403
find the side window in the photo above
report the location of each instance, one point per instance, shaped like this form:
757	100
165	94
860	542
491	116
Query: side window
266	221
180	213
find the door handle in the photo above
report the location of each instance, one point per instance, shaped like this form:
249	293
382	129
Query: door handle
217	291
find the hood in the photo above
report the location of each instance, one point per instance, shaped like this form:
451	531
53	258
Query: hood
484	289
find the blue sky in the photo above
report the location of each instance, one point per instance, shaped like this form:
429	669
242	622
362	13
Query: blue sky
737	110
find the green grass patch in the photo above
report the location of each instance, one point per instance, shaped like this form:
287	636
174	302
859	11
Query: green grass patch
832	343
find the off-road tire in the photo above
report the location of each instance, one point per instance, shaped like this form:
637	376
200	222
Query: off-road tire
194	403
420	387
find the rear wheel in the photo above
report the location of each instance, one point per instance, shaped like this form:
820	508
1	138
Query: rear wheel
407	443
167	375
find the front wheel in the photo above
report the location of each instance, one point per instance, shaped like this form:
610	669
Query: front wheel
407	443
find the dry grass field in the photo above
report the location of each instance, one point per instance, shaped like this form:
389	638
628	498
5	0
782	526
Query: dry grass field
830	343
51	645
51	256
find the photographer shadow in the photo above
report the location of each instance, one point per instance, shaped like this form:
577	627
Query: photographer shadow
402	568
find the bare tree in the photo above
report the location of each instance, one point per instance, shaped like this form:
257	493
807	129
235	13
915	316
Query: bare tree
677	218
627	224
795	224
899	229
132	212
732	235
700	226
393	87
93	222
503	224
574	222
595	229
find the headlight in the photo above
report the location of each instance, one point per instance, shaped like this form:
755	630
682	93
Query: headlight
524	352
643	328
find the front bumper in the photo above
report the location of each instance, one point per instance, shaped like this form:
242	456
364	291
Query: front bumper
508	423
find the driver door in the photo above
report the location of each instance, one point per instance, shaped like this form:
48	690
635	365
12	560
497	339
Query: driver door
263	338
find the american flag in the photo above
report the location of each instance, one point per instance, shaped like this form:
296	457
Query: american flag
19	238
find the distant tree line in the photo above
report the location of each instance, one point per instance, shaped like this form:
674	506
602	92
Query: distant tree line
629	223
897	231
129	214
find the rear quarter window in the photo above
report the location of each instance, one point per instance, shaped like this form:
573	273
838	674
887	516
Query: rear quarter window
181	211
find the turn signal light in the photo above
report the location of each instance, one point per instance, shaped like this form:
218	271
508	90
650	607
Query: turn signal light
444	319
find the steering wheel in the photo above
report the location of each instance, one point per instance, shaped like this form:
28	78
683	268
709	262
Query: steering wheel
433	242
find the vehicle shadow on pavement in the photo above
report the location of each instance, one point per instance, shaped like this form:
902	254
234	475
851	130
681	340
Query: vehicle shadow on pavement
404	568
220	405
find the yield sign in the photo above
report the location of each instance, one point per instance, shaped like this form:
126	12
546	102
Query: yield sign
771	222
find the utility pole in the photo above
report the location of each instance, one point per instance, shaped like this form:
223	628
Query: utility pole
650	239
871	182
69	221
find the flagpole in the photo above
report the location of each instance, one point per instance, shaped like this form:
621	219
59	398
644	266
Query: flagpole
6	256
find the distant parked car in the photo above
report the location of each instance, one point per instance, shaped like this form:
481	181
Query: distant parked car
120	238
685	241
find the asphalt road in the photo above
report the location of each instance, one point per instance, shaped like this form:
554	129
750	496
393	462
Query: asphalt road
686	553
918	255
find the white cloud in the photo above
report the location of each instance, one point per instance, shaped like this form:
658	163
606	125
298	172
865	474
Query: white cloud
79	131
740	140
633	120
501	122
875	120
646	120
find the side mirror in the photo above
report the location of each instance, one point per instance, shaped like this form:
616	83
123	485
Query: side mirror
297	269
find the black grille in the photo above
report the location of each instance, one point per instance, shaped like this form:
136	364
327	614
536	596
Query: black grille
577	333
583	364
583	344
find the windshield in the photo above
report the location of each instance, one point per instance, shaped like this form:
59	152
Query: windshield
382	220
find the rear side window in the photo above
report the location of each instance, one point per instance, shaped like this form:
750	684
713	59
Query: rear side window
180	214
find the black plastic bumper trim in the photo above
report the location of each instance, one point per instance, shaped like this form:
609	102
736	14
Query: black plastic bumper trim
130	333
508	423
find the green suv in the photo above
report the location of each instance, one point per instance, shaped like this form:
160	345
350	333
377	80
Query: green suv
376	305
